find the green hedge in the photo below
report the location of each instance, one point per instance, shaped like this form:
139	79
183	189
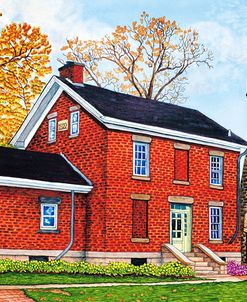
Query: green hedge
171	269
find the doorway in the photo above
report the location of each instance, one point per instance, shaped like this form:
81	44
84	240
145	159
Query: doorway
181	226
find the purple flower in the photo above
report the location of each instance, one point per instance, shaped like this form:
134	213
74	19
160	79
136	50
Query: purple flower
236	269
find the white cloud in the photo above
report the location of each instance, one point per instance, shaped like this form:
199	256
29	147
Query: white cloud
230	59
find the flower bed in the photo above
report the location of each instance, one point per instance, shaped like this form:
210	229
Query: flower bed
236	269
171	269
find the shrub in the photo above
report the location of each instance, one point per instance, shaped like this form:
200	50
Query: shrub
171	269
236	269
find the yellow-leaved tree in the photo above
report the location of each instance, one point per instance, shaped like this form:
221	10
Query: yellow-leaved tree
148	58
24	61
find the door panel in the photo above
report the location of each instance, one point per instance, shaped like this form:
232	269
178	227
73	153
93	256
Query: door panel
180	227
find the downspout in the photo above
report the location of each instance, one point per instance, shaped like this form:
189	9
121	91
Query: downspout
72	219
238	198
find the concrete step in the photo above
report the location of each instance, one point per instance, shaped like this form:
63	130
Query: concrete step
200	273
200	263
206	272
196	259
204	268
189	254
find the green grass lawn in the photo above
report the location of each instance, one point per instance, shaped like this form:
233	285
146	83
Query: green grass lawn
208	292
31	279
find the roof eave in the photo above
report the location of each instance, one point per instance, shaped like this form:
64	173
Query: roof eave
117	124
43	185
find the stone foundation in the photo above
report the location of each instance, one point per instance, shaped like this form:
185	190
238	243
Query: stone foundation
103	258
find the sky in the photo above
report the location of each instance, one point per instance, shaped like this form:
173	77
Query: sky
219	92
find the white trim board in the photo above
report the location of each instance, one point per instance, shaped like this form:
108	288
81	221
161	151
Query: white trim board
43	185
111	123
52	253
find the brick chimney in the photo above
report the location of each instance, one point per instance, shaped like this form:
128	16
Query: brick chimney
73	71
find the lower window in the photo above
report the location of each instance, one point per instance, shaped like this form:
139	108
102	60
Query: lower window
140	219
215	223
48	213
48	216
138	261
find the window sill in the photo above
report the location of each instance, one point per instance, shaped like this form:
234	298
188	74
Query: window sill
181	182
216	241
48	231
140	240
73	136
51	142
139	177
217	187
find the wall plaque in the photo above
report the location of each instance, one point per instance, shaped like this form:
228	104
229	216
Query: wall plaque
63	125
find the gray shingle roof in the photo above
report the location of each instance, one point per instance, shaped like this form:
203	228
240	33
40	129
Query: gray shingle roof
149	112
38	166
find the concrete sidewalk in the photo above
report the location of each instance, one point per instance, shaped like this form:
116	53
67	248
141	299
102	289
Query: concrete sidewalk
14	293
220	278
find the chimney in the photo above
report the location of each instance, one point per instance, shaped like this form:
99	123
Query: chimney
72	71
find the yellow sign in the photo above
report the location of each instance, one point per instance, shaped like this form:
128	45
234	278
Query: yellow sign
63	125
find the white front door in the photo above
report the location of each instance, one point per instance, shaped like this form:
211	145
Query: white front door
180	226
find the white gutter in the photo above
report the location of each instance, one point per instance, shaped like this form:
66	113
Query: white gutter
43	185
117	124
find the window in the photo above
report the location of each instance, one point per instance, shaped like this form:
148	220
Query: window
52	130
216	169
74	123
48	216
181	165
215	223
141	159
140	219
138	261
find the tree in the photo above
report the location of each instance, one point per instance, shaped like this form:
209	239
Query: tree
24	60
148	59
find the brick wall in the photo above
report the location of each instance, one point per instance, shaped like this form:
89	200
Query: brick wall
87	152
121	185
105	157
20	220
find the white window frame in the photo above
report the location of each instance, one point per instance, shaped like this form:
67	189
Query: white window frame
147	152
220	170
49	129
42	226
71	124
220	223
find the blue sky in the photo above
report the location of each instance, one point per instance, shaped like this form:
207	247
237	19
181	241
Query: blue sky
222	26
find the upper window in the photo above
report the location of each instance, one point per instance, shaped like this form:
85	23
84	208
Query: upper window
181	165
74	123
48	216
141	159
52	129
215	223
216	170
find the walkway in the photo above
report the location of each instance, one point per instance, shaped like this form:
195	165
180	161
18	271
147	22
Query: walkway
13	293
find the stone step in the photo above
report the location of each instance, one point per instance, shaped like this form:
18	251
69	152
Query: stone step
201	263
196	259
189	254
198	273
204	268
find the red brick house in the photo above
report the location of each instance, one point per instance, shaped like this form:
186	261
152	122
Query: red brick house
161	179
